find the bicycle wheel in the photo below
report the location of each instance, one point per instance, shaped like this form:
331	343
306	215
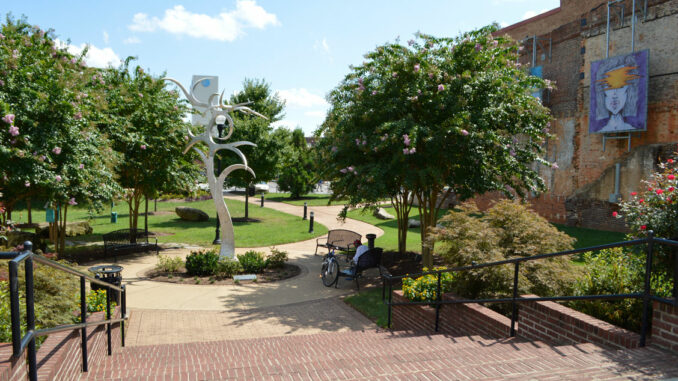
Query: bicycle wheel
330	272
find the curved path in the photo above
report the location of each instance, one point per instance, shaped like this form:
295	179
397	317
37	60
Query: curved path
171	313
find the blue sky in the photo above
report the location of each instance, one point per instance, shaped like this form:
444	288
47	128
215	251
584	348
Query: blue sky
302	48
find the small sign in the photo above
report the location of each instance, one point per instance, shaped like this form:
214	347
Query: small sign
49	215
245	277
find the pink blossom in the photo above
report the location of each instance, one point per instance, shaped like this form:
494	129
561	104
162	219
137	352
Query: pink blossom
671	177
357	142
512	152
27	184
355	172
57	178
43	157
478	47
2	36
406	151
343	170
334	149
12	142
9	119
374	92
406	140
395	74
384	137
464	132
77	116
417	68
186	138
13	130
56	150
554	166
2	83
15	53
141	95
73	60
81	166
412	150
521	48
143	146
364	142
350	169
72	201
430	75
441	87
495	43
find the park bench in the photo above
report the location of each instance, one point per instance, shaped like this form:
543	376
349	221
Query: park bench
341	239
127	239
370	259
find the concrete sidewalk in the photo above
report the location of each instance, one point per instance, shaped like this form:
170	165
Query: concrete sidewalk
173	313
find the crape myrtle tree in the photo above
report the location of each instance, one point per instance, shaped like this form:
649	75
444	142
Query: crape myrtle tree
433	118
264	159
144	121
49	146
297	174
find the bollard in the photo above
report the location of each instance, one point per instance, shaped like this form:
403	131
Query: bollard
262	200
305	208
370	240
310	224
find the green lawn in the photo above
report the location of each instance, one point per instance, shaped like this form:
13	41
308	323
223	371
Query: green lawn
309	199
369	303
389	241
275	227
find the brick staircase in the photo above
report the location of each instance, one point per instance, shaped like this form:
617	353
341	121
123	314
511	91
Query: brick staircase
382	355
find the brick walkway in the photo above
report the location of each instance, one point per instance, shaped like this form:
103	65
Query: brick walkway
382	356
149	327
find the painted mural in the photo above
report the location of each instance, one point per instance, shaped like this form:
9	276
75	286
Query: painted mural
619	94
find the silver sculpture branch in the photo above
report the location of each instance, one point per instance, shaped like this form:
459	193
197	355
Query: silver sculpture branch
216	183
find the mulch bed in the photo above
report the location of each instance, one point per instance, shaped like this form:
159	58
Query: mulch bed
182	277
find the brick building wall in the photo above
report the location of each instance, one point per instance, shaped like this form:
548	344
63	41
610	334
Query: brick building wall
579	190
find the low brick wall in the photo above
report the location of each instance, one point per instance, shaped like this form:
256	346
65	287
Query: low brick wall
455	319
665	326
59	356
554	323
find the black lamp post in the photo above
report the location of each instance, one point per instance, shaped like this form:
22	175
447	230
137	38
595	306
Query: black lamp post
220	120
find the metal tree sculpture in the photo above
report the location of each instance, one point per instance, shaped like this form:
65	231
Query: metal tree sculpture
216	184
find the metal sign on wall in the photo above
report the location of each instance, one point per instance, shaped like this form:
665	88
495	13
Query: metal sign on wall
619	88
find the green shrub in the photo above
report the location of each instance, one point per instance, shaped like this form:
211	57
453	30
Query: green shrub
616	271
507	230
276	259
202	262
96	301
167	264
425	288
227	267
252	261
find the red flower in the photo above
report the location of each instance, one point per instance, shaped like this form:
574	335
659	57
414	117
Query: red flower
649	189
670	177
670	161
614	214
634	193
660	191
643	227
671	189
641	201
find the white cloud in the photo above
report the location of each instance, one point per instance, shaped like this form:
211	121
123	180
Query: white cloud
503	24
322	45
226	26
316	114
530	14
105	37
131	40
301	98
96	57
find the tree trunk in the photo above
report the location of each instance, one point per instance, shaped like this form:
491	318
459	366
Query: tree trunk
30	214
402	204
428	217
247	202
60	218
146	217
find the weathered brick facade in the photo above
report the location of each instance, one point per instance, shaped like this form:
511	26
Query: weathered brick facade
579	190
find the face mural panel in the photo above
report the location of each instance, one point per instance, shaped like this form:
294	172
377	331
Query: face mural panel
619	94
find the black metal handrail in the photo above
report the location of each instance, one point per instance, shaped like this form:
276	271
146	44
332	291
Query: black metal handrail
646	295
27	341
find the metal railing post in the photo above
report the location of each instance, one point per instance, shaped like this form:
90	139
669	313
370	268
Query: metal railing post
646	289
83	319
14	307
108	317
438	299
30	315
123	313
390	298
305	210
514	306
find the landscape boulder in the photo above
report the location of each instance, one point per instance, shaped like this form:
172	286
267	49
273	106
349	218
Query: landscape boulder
413	223
191	214
382	214
73	229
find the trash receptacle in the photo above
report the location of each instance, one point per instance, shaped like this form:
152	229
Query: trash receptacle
114	217
110	274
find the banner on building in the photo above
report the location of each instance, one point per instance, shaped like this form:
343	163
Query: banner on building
619	87
537	71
